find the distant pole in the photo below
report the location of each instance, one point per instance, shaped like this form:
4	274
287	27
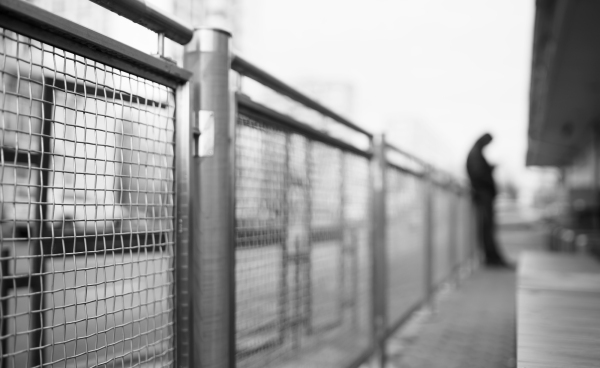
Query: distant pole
453	217
428	232
378	241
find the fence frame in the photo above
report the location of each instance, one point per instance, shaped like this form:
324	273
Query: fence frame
31	21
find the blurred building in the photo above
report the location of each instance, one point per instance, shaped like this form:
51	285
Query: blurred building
564	110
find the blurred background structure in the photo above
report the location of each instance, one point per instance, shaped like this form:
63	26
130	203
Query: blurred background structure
563	122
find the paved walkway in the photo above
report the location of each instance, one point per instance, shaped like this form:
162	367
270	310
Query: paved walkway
474	326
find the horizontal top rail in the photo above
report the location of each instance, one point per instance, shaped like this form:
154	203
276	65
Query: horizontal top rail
407	170
252	108
146	15
251	71
408	155
37	23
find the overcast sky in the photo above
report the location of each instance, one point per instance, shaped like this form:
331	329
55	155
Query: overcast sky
433	74
453	68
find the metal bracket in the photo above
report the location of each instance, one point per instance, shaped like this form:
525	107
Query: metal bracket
204	134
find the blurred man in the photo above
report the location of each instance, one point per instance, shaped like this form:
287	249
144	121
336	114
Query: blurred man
484	192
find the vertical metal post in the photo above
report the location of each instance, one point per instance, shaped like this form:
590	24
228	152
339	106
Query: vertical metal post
297	316
428	236
160	46
343	241
309	210
453	229
36	284
473	235
378	244
183	285
469	231
285	251
213	202
464	225
355	272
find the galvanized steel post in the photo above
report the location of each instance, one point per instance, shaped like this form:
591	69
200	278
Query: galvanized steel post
453	217
428	236
213	201
475	236
378	244
472	234
183	158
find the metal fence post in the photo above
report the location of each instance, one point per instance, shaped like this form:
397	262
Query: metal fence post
473	235
378	243
213	201
466	232
182	269
428	236
453	230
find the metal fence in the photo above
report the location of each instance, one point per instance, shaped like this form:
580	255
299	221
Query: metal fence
143	225
87	176
316	269
302	264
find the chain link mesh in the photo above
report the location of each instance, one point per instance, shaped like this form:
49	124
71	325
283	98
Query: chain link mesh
302	262
87	206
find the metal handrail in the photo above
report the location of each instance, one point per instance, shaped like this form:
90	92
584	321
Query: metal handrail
249	106
44	26
450	179
404	153
251	71
140	12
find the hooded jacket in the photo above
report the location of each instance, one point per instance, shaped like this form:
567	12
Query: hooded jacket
479	170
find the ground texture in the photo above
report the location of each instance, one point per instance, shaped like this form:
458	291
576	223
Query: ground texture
473	326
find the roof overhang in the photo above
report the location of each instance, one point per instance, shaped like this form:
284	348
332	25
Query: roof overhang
564	101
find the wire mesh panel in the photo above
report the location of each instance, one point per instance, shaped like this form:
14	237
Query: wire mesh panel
260	221
87	211
405	244
302	265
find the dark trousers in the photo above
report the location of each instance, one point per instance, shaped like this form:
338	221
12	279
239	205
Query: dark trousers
486	227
